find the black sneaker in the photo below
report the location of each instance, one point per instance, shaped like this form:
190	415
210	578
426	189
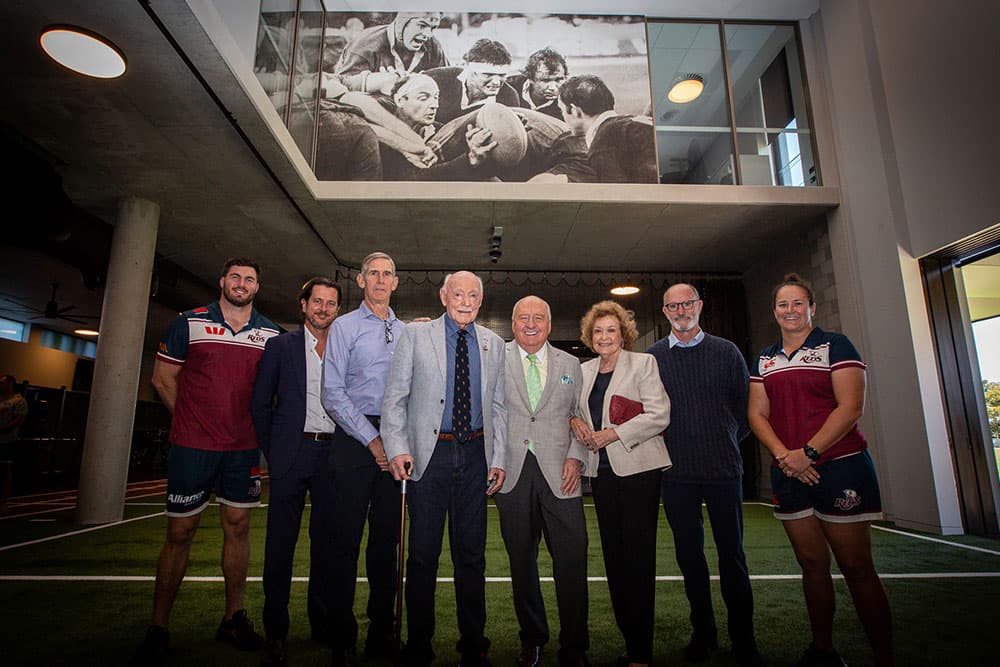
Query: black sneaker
239	632
152	652
813	657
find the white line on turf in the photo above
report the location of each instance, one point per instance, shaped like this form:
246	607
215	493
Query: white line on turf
79	532
925	538
938	541
489	580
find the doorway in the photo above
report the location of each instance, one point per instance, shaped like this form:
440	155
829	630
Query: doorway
963	301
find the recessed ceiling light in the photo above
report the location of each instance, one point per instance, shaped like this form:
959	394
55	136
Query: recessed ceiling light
687	88
83	51
86	332
625	290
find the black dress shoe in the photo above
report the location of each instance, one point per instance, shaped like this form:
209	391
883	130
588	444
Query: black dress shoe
274	653
321	636
378	645
748	657
700	648
530	655
573	659
347	657
475	660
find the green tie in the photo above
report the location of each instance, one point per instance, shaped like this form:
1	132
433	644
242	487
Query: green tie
534	381
534	389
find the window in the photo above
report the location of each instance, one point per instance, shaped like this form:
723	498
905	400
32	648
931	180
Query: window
14	330
752	75
68	343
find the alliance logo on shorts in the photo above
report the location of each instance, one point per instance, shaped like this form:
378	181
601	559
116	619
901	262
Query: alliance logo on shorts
254	482
850	500
178	499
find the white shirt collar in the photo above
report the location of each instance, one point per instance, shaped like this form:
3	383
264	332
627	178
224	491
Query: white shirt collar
592	130
700	336
540	355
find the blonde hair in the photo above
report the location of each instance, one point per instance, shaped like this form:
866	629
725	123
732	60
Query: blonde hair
608	309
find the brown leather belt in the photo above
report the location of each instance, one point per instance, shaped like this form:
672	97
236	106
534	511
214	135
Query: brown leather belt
451	436
317	436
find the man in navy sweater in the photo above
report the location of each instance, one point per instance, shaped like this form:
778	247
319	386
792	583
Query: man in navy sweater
707	381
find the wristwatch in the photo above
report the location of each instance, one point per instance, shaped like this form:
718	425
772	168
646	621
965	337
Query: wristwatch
811	452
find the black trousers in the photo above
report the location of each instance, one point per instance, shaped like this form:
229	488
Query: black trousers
362	493
309	474
627	514
724	502
527	512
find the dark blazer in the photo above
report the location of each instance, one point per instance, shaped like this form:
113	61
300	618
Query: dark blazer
624	151
279	423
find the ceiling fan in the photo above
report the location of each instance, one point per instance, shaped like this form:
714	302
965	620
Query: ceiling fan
52	309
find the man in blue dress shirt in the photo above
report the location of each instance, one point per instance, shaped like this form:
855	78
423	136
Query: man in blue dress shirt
358	354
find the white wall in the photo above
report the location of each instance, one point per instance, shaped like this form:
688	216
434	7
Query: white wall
938	65
882	305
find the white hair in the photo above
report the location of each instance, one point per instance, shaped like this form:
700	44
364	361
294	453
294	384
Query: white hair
444	285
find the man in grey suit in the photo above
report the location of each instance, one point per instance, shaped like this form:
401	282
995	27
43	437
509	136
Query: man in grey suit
541	492
444	428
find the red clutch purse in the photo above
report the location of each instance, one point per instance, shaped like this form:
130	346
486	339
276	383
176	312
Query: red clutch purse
622	409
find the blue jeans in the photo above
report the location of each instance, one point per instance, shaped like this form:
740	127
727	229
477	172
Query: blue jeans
452	486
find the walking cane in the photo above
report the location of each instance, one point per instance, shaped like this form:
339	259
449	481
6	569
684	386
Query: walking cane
398	630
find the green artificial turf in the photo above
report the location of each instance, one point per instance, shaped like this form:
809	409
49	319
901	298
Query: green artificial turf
937	620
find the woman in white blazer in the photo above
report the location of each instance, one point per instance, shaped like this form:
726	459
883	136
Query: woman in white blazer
625	410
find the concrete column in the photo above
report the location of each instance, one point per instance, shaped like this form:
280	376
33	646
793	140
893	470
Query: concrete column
108	441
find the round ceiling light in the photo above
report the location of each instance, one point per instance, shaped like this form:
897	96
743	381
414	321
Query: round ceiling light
83	51
625	290
687	89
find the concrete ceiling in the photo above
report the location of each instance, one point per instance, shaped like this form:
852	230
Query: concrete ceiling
181	129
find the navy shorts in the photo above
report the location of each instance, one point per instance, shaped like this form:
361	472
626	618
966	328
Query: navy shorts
193	474
847	492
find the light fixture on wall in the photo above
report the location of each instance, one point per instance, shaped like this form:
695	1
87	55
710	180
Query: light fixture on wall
624	290
83	51
687	88
86	332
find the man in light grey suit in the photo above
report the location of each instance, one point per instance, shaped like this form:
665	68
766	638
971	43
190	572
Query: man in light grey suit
443	416
541	492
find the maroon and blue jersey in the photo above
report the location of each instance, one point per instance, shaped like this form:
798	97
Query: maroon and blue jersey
214	387
800	389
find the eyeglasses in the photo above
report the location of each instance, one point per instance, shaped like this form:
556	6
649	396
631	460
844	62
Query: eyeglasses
686	305
388	332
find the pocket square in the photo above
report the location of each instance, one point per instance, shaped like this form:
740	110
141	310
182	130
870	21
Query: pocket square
623	409
565	379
